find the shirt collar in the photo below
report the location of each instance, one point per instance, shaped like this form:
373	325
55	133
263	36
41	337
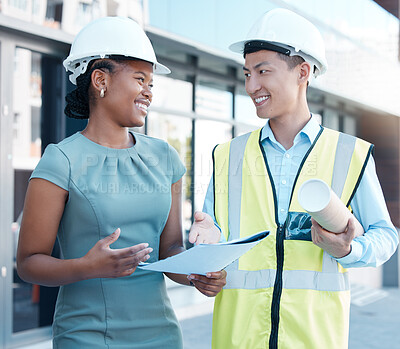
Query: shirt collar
310	130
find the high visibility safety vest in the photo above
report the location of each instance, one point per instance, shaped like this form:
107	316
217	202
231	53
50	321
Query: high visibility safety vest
286	292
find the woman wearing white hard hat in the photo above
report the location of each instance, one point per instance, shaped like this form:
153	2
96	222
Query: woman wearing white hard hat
292	290
106	180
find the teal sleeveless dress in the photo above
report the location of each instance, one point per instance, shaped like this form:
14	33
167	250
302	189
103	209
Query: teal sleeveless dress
108	189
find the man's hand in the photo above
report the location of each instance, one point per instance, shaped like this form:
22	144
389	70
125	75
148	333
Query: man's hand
337	245
209	285
203	230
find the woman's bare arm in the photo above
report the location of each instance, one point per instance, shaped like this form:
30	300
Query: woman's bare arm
43	209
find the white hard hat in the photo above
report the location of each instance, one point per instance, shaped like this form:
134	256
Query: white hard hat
109	36
288	30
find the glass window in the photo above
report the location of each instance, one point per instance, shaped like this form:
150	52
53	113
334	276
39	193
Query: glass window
177	131
31	307
316	111
330	119
349	125
86	11
242	129
208	134
317	116
36	7
27	105
20	4
172	94
245	111
212	64
173	52
54	11
213	101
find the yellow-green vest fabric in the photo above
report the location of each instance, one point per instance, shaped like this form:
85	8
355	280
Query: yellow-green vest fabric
286	292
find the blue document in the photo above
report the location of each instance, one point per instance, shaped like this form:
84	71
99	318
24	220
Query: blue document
204	258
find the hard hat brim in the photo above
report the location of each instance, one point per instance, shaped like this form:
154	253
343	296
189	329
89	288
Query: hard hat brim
161	69
158	68
238	47
69	62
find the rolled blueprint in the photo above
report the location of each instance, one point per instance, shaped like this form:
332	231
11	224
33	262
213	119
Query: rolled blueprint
322	204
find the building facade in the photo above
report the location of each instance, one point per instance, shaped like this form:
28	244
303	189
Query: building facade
202	103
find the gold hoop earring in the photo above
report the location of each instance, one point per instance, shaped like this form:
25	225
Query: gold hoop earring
102	93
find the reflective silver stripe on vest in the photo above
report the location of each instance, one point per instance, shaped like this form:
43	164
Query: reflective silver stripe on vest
249	280
314	280
344	152
329	264
236	154
292	279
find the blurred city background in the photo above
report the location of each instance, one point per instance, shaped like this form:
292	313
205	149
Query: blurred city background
202	103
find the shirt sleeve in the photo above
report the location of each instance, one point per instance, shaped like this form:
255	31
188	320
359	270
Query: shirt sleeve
53	167
178	168
208	206
381	238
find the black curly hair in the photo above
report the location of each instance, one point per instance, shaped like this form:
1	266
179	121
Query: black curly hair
77	106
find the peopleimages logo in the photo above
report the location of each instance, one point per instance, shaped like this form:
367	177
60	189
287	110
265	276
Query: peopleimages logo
128	165
134	165
125	188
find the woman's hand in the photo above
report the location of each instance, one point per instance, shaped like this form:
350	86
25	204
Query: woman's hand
209	285
204	230
103	262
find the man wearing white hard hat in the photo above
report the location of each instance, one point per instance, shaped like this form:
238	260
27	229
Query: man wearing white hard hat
292	290
113	199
